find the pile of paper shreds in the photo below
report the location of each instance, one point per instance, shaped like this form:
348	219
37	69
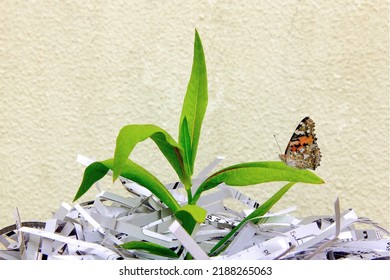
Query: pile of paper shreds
96	229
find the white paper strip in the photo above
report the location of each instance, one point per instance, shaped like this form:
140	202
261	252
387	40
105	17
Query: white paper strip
187	241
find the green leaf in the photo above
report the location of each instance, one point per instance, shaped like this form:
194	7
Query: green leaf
132	171
93	173
197	213
252	173
185	144
195	100
149	247
130	135
189	215
263	209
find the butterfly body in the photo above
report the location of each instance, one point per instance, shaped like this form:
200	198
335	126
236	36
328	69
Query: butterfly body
302	150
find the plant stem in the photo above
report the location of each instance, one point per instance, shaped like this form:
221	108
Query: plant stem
188	186
194	198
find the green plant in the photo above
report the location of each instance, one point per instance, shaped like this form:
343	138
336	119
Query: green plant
181	155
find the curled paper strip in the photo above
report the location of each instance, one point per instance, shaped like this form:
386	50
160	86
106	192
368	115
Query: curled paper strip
96	230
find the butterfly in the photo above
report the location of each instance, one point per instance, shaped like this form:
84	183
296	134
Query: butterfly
302	150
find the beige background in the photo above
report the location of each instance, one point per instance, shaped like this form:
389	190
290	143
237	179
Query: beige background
74	72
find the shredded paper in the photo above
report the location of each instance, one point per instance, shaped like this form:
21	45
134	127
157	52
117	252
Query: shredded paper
94	230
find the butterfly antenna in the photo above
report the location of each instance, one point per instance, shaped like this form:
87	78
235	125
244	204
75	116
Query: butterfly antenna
277	143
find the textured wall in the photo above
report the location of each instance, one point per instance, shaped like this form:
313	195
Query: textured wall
74	72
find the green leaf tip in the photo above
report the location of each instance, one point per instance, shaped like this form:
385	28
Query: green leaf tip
93	173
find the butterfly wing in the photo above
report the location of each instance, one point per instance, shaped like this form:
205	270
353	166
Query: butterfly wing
302	150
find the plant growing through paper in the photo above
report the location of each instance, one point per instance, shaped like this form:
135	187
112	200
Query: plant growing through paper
181	155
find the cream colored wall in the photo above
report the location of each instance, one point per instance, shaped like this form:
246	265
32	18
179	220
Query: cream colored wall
72	73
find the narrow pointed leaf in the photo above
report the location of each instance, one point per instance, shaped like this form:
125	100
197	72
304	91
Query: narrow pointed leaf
151	248
252	173
130	135
185	144
260	211
195	101
266	206
132	171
